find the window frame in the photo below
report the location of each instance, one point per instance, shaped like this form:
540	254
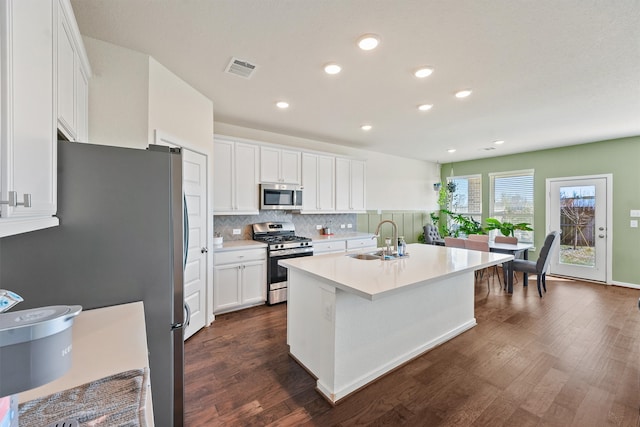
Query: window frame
524	236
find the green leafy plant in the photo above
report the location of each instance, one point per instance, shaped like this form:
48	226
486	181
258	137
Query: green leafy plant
466	225
507	228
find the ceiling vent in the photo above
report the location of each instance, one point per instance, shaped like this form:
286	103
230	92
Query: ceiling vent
241	68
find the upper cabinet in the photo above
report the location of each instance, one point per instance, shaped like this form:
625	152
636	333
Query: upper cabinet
235	178
28	151
29	111
350	185
280	165
72	74
318	180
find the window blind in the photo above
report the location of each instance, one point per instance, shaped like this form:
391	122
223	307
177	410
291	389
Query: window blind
511	199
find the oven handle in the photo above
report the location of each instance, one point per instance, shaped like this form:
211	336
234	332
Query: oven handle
287	252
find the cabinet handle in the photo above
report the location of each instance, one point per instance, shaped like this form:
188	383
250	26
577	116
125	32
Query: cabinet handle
13	200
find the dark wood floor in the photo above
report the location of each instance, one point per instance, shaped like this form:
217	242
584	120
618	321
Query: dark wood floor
569	359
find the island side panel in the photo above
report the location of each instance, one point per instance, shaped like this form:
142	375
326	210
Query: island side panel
311	325
374	337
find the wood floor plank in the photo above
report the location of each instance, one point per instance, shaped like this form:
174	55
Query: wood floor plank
570	358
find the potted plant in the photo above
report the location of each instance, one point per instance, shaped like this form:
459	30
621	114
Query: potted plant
507	228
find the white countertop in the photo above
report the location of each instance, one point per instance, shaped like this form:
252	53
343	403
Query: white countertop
106	341
235	245
341	236
373	279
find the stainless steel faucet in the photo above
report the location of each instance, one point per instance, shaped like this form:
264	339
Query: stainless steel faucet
395	233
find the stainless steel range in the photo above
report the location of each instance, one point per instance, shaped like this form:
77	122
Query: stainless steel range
282	244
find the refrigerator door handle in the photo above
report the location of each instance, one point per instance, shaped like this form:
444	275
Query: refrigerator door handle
185	237
187	314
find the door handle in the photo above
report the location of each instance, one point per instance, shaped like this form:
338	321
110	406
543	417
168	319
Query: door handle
204	250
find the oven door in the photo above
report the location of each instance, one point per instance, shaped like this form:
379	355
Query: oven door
277	275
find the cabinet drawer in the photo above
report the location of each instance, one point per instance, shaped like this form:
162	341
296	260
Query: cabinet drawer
361	243
333	246
230	257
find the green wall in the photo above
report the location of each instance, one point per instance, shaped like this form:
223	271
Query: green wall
410	223
619	157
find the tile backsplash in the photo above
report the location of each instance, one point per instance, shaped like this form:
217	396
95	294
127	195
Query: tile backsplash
305	224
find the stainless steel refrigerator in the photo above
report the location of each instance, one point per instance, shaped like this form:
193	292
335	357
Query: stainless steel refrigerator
120	240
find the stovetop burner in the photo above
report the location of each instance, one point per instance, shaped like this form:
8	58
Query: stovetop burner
280	235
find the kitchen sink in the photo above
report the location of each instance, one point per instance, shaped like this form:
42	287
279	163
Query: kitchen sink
364	256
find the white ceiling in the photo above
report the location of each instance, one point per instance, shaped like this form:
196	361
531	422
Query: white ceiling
544	73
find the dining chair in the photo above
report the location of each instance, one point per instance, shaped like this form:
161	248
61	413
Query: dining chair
479	245
432	236
539	267
478	237
506	239
454	242
510	241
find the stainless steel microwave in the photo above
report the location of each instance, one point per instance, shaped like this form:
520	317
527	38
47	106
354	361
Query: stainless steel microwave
281	196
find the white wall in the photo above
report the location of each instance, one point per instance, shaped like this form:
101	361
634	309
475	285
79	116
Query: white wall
393	183
178	109
118	95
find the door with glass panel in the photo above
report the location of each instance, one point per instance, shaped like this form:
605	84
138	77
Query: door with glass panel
578	209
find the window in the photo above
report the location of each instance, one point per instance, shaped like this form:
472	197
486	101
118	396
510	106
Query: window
512	199
467	197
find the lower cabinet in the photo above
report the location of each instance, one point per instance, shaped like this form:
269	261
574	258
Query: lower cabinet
334	246
359	244
239	279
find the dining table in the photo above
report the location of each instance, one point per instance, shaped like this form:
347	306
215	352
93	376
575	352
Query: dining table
515	250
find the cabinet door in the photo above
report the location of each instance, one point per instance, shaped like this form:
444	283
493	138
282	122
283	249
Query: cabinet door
358	189
343	184
254	282
226	289
310	182
65	79
269	164
28	163
223	171
246	182
326	183
290	166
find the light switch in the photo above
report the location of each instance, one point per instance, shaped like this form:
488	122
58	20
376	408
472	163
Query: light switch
634	213
634	223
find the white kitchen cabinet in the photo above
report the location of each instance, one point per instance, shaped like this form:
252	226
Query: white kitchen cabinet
27	116
71	76
280	165
235	178
362	244
330	247
239	279
350	185
318	180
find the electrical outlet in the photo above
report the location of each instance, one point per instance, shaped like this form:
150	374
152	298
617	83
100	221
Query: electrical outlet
342	225
236	231
349	225
318	227
634	223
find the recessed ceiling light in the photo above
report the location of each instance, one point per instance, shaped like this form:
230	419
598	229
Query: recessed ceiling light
463	93
425	107
498	142
368	41
332	68
282	104
451	150
366	127
423	72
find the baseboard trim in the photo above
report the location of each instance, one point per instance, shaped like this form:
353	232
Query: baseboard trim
625	285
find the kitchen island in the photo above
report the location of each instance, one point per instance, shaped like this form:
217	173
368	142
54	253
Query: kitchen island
350	321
